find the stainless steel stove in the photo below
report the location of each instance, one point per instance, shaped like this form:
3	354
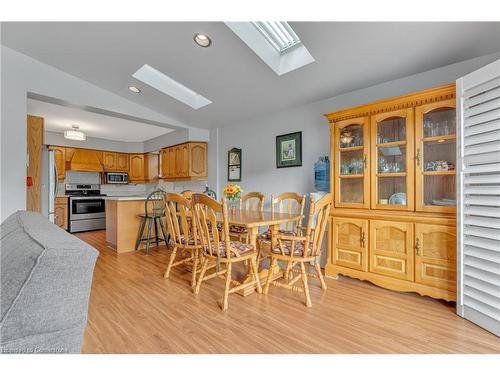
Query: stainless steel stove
87	210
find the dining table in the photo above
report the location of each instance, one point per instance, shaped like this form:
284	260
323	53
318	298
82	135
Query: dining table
253	220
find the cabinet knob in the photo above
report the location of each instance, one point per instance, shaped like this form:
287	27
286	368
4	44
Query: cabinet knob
417	246
417	157
363	239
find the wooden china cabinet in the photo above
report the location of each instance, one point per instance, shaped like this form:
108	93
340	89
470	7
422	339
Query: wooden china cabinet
393	171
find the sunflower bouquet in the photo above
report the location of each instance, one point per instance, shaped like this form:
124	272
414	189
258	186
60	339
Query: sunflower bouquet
232	192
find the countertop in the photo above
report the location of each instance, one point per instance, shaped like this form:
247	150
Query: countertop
126	198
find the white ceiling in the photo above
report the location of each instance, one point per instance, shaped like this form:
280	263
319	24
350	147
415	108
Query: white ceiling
348	56
59	118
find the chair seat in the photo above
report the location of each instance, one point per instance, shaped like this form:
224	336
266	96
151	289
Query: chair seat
241	247
287	248
266	236
235	229
190	240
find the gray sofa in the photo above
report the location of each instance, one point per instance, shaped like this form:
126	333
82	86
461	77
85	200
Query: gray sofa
46	274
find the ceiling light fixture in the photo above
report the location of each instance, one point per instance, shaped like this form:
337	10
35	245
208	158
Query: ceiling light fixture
202	40
75	134
134	89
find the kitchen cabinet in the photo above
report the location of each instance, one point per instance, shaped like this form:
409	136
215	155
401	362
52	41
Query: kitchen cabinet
184	162
138	167
115	161
60	161
109	161
122	162
61	212
153	165
197	159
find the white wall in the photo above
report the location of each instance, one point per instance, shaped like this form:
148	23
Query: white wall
57	139
257	137
21	75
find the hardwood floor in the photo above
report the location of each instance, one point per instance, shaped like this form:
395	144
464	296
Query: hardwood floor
134	310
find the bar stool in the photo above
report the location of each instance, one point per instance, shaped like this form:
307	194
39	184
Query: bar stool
154	212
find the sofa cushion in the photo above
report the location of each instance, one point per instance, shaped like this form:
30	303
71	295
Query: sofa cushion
46	275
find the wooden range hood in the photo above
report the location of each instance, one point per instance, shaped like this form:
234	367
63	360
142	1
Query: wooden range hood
85	160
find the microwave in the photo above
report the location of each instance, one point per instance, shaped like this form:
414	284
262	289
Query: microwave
116	177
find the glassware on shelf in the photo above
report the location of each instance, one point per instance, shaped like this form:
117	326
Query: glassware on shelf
351	136
354	166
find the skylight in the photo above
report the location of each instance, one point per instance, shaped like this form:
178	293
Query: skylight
275	43
279	34
161	82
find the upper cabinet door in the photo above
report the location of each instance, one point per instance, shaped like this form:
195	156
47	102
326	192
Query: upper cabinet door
182	160
392	174
60	161
435	157
136	167
171	169
351	170
109	161
122	162
197	159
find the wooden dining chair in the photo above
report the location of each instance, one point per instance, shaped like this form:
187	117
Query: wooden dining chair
183	233
302	249
218	251
187	194
288	202
253	201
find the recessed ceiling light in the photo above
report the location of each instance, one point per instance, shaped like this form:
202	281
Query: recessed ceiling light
134	89
202	40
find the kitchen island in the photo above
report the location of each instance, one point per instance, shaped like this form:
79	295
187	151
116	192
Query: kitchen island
123	221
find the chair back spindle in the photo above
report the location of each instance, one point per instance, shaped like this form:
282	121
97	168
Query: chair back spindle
290	203
205	210
177	212
154	205
253	201
319	213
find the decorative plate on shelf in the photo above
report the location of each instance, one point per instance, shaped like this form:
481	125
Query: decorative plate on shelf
398	198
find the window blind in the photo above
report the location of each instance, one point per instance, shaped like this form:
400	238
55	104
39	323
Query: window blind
478	103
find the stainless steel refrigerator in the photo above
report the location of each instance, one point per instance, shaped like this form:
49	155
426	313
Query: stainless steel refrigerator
49	183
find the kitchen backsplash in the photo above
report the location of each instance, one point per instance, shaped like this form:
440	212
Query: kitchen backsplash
74	177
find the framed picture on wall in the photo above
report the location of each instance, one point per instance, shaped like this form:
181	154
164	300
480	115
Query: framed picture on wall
289	150
234	164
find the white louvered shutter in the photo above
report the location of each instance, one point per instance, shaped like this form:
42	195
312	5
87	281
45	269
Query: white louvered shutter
478	104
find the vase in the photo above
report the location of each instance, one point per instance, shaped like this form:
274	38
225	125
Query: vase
232	205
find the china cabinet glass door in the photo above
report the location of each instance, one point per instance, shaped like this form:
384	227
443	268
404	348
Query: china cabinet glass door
435	157
392	160
351	144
